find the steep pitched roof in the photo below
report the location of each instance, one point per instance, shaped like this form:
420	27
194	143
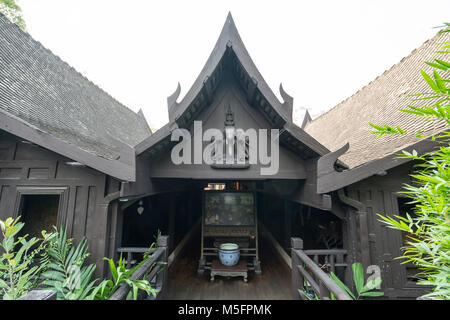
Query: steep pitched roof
229	41
230	55
40	91
379	102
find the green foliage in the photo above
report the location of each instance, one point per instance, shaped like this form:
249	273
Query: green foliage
429	231
61	267
120	274
362	290
385	129
17	273
13	12
65	271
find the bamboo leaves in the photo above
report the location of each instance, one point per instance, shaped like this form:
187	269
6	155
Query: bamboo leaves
65	271
428	243
17	273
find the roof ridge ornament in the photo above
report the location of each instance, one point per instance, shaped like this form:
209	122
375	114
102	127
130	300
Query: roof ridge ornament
140	113
229	117
172	101
288	101
306	119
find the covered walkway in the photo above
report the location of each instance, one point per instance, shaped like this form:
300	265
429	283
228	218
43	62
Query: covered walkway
274	283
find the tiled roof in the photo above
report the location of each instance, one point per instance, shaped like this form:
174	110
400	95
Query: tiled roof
43	91
379	103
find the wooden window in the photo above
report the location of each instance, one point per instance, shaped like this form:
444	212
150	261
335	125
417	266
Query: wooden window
38	212
41	207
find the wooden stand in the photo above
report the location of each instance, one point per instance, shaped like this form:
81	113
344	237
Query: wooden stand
238	270
244	235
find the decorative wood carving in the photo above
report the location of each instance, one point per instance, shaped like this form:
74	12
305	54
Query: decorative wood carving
306	119
288	101
328	179
172	102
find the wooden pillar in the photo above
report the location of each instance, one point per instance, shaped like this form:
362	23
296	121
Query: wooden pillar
115	222
190	209
161	281
288	206
297	278
172	213
97	236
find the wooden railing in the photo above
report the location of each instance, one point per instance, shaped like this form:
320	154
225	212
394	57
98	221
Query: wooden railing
306	274
157	277
328	259
129	254
39	295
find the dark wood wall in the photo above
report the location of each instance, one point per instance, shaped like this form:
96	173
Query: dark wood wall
378	194
172	213
29	169
291	165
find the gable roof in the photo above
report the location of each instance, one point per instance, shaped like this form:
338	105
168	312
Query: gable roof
230	54
228	42
379	103
46	101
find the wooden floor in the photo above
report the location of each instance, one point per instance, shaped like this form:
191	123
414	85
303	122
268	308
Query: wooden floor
273	284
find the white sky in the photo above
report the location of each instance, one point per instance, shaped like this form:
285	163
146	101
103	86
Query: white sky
322	51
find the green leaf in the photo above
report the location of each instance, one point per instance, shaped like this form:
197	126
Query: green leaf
358	276
342	285
439	82
437	65
372	294
443	63
430	81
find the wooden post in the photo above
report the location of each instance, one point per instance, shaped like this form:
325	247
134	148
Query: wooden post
129	258
287	222
172	213
297	278
190	210
161	278
332	267
364	240
324	294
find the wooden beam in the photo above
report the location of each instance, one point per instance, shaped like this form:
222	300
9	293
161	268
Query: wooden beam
122	169
328	179
253	84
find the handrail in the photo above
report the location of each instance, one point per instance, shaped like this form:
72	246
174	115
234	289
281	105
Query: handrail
332	258
304	268
130	251
157	275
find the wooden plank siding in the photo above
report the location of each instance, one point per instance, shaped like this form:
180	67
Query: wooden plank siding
378	194
27	168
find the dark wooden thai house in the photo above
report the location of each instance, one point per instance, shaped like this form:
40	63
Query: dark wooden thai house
70	154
